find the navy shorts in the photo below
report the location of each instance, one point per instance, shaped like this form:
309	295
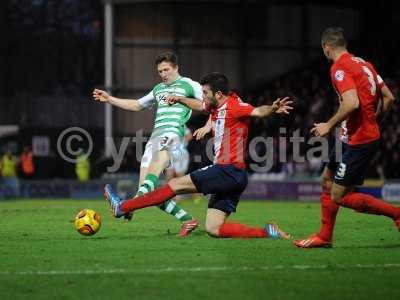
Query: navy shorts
351	167
225	183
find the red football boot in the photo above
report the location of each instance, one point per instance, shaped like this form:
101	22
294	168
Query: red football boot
187	227
313	241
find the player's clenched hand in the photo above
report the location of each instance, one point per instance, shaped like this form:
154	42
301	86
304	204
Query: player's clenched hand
201	132
101	95
282	106
320	129
172	99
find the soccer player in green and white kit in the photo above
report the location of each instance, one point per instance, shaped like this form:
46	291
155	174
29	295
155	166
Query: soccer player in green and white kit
164	146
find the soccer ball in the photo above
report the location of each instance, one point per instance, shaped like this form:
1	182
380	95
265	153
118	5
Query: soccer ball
87	222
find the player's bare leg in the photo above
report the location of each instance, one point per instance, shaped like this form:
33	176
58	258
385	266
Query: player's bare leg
197	197
214	220
142	175
177	175
170	173
183	185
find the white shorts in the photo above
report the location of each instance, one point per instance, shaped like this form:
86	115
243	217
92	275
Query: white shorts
169	141
181	165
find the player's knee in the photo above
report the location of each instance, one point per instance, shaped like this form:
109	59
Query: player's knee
326	183
337	197
212	229
175	185
180	185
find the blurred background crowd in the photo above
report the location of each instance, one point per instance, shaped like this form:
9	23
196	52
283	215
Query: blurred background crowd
53	56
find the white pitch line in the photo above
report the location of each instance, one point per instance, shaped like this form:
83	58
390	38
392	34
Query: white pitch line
202	269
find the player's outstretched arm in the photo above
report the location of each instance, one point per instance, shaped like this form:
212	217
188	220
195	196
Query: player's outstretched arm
349	103
279	106
127	104
385	103
201	132
192	103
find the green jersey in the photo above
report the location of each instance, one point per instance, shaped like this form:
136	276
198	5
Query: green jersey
171	118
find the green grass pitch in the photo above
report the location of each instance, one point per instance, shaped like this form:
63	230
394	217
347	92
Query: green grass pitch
43	257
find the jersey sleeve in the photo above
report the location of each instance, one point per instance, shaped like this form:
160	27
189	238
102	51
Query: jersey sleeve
342	80
378	79
147	101
242	109
197	90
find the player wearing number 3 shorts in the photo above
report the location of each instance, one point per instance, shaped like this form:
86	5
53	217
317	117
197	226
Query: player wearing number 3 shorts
165	143
360	89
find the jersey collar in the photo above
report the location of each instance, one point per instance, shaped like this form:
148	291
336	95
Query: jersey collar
177	78
230	96
344	56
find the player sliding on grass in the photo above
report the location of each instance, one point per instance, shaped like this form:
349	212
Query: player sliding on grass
226	179
164	147
360	88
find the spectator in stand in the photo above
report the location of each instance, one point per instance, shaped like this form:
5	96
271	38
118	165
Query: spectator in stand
27	164
82	168
8	170
8	165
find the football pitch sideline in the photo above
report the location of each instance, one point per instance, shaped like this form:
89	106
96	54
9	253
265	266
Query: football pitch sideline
43	257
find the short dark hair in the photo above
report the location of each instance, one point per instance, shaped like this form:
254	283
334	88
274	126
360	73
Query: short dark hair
217	82
334	36
167	57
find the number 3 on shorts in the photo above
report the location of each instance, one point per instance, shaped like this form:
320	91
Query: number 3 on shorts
341	171
165	141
